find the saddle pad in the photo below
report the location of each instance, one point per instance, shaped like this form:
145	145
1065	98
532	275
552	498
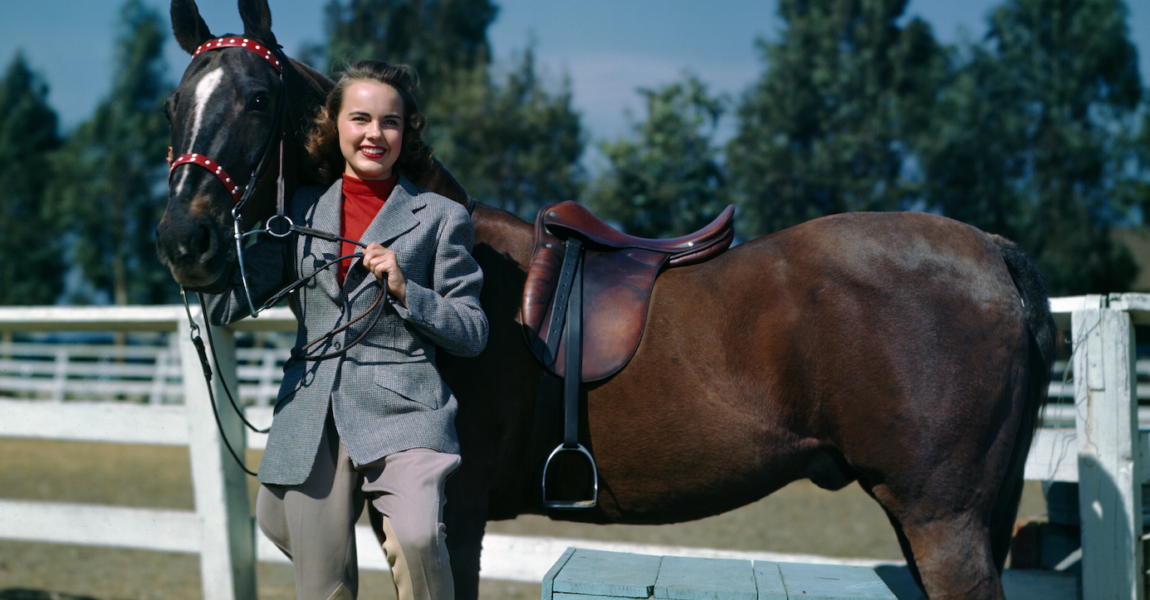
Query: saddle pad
616	292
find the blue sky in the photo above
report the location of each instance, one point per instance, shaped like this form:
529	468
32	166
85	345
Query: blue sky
608	47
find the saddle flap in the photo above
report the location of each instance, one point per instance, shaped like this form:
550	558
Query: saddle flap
616	289
619	273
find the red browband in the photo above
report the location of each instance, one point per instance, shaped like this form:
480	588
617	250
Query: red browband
203	161
263	51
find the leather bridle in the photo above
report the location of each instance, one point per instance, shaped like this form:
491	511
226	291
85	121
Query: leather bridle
279	225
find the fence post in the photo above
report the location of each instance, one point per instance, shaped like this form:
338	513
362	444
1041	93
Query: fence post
1110	495
227	552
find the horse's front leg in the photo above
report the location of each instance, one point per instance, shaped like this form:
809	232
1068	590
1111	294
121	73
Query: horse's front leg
465	516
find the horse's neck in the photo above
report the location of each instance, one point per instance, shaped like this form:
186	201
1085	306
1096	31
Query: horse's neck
436	178
507	234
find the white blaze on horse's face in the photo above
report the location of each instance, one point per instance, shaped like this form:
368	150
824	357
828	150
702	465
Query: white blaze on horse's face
204	90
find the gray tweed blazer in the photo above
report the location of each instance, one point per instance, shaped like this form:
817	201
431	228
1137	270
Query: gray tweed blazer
385	393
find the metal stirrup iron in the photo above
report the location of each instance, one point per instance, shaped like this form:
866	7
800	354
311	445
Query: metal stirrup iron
574	373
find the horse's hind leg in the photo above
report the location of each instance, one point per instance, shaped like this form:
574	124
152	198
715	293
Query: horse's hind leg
949	553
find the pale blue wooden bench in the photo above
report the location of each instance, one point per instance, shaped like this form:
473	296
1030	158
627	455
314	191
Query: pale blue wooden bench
582	574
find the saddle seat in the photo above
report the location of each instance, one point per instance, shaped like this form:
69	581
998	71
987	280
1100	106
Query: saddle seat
570	218
618	274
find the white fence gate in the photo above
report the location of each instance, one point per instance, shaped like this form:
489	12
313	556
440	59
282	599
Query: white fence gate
1105	451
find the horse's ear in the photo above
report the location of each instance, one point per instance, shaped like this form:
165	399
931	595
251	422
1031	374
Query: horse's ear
257	19
190	29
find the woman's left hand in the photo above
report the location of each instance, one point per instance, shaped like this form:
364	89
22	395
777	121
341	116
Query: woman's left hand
381	262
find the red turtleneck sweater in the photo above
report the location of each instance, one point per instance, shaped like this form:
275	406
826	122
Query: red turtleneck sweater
362	200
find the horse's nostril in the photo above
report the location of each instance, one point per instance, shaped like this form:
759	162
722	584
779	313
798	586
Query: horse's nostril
204	243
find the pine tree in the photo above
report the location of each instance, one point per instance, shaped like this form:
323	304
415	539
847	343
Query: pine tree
111	181
826	128
509	137
513	143
439	38
1029	141
667	182
30	239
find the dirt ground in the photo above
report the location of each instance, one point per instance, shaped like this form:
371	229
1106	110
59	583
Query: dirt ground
798	519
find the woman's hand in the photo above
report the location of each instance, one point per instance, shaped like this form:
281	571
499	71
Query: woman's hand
381	262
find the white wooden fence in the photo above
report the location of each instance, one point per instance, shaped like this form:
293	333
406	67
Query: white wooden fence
1104	450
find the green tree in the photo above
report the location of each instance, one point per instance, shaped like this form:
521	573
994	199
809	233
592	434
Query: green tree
111	179
30	266
668	181
1029	138
512	143
439	38
512	140
826	128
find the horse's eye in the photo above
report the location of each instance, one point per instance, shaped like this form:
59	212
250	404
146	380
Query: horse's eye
260	103
167	112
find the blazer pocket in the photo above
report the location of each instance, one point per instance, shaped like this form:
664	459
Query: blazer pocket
419	382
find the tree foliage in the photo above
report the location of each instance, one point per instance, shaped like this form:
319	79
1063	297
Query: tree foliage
439	38
1029	138
825	129
30	267
512	140
110	187
667	181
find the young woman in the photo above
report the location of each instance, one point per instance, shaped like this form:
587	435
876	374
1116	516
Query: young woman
373	421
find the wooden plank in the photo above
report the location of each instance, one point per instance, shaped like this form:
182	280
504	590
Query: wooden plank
683	578
616	574
90	525
1109	455
559	595
769	580
91	318
1053	456
164	425
833	582
227	562
549	579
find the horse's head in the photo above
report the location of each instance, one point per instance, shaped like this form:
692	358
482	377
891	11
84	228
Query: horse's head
235	102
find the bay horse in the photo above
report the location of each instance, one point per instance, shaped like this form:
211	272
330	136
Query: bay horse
905	351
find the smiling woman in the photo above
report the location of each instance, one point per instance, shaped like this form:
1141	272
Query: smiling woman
375	420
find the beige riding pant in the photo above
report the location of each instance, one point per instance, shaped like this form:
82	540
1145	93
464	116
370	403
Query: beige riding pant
314	523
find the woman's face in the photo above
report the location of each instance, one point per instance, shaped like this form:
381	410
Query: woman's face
370	125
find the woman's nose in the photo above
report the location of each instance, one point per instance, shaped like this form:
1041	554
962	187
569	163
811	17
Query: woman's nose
374	131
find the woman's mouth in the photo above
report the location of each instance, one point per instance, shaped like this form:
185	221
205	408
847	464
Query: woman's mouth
372	151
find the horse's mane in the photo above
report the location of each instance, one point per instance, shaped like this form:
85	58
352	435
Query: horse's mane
319	79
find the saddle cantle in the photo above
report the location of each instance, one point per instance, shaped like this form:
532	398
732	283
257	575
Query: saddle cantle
618	273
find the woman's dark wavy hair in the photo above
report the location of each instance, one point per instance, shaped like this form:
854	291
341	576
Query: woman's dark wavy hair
322	143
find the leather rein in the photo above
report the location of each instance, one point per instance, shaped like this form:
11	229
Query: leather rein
278	61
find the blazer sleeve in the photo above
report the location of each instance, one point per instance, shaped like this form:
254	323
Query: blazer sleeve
449	315
266	262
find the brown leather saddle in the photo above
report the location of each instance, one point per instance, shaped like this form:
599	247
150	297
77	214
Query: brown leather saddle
618	273
585	304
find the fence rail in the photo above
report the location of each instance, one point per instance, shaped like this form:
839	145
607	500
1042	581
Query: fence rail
1095	440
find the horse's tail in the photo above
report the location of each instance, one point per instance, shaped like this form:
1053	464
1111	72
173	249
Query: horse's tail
1044	342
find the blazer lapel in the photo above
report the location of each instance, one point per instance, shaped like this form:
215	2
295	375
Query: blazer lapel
327	217
393	220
